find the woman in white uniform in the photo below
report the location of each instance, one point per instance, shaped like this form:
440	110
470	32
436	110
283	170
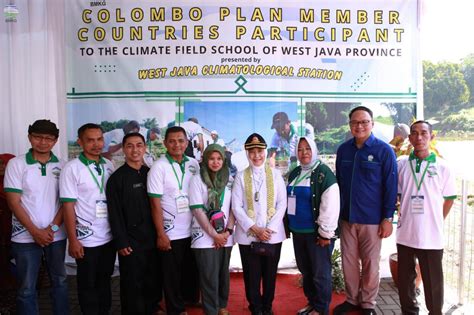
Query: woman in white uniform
212	228
259	204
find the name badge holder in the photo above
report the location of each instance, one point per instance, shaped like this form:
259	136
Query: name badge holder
292	204
417	204
291	197
101	209
182	203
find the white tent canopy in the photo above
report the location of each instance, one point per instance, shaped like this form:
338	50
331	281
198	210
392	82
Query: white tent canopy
32	70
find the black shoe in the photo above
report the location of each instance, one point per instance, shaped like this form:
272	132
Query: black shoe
345	307
369	311
305	310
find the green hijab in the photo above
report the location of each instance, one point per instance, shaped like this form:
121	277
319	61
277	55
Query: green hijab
215	181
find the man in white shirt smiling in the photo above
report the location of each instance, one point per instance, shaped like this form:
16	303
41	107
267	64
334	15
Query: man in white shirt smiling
32	191
427	191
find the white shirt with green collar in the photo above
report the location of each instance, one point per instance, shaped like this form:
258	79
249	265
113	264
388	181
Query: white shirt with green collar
423	185
38	185
169	181
83	182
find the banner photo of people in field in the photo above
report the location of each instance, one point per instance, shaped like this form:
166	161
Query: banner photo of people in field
224	70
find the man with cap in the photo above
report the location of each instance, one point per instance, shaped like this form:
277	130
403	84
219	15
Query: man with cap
113	138
82	192
283	143
32	191
193	129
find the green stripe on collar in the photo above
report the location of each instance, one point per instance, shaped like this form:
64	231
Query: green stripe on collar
87	162
430	158
31	160
171	160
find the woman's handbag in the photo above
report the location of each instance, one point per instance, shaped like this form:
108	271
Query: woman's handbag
263	249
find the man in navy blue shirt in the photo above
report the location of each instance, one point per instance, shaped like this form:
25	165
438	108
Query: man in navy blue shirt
366	172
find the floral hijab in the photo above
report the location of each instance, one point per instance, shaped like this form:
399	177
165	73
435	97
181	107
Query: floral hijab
215	181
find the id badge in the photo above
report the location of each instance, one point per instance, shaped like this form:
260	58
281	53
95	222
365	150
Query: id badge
101	209
182	203
292	205
417	203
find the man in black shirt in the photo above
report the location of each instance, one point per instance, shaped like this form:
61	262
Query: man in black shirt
133	231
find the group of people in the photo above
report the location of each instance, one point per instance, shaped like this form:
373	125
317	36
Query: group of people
174	224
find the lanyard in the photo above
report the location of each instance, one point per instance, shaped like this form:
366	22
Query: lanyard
418	185
101	186
180	183
301	177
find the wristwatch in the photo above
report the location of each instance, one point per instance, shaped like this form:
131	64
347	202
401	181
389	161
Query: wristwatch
229	230
54	227
388	220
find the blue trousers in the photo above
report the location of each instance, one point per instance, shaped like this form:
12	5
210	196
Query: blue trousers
28	258
314	263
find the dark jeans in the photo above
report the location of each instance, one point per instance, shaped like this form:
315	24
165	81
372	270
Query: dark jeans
180	276
431	272
93	279
213	265
314	263
259	271
28	260
140	282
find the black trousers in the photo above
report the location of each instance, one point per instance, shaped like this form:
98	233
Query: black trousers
431	272
259	271
140	282
180	276
93	279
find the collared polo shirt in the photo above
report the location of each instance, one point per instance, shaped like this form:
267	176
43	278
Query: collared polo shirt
164	180
81	182
38	185
367	178
198	198
423	230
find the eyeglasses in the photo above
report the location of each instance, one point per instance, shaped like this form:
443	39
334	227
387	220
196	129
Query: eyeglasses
355	123
45	138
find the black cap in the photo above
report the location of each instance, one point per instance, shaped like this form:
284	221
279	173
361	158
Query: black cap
44	126
255	141
279	119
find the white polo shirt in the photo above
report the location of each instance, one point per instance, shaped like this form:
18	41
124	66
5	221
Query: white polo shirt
38	185
81	183
421	225
198	198
192	129
169	181
112	137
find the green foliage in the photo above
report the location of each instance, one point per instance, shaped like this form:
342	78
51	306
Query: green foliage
445	89
467	68
329	140
111	125
463	120
337	275
150	123
384	120
401	112
324	116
